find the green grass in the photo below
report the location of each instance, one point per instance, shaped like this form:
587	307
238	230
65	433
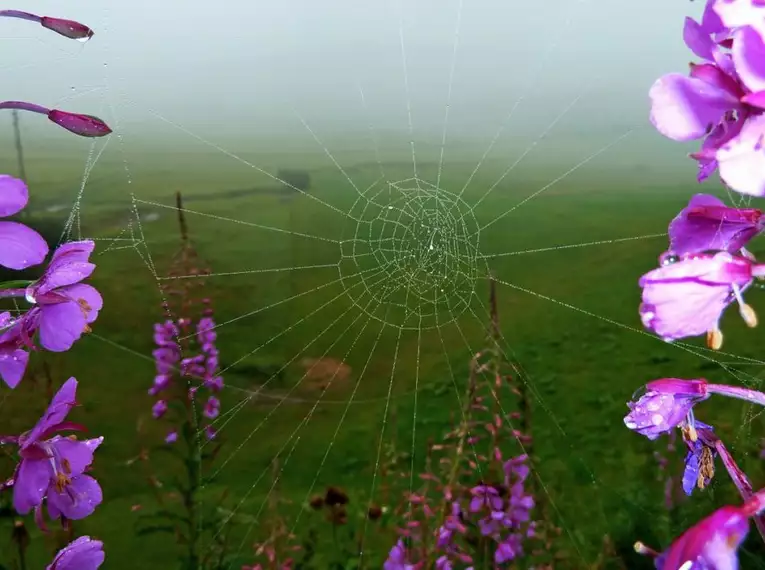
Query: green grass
569	318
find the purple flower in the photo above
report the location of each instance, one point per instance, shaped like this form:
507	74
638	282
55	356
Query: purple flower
485	496
20	246
161	383
707	224
83	553
665	404
54	469
687	298
65	306
14	337
397	558
699	463
210	432
171	437
508	549
721	101
212	408
712	543
159	409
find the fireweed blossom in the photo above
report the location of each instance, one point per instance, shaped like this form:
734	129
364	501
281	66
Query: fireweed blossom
720	101
79	124
67	28
83	553
699	463
688	298
713	542
397	558
707	224
667	403
53	468
203	367
63	309
20	247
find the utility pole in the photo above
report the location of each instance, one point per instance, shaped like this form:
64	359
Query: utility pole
19	148
20	155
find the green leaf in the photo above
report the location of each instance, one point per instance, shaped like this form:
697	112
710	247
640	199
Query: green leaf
17	284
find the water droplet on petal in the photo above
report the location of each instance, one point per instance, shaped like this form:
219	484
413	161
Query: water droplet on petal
630	424
657	419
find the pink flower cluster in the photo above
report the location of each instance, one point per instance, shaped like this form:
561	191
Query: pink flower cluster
707	267
202	368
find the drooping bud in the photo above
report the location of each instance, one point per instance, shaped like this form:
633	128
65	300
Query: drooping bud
82	125
67	28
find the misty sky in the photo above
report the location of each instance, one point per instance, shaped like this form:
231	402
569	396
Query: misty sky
236	70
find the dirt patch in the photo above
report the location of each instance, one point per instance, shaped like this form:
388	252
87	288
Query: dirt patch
320	373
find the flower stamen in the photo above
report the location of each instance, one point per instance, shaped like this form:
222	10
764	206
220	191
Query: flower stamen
715	339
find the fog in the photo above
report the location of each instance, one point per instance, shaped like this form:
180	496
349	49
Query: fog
240	73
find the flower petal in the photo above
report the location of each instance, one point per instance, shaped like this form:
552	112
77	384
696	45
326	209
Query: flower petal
32	480
698	39
77	500
84	553
58	409
13	364
61	325
20	246
87	297
14	195
741	160
749	58
685	108
78	454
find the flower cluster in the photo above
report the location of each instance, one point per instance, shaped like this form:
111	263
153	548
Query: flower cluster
52	468
202	367
707	267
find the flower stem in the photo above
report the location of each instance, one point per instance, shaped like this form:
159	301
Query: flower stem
740	480
20	15
753	396
24	106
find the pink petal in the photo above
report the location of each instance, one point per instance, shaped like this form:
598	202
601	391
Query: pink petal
61	325
20	246
749	58
697	39
684	108
87	297
78	500
32	480
740	13
741	160
14	195
13	364
58	409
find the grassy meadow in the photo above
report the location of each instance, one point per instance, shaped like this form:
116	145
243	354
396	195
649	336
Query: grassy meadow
568	319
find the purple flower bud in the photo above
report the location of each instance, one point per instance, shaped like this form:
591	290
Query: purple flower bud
67	28
159	409
83	125
171	437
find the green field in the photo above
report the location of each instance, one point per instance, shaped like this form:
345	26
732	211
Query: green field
569	319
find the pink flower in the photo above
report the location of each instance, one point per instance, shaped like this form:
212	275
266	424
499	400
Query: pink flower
688	298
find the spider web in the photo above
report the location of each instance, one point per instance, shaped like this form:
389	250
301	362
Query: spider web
390	265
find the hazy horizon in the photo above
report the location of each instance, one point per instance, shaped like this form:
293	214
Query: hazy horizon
185	77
